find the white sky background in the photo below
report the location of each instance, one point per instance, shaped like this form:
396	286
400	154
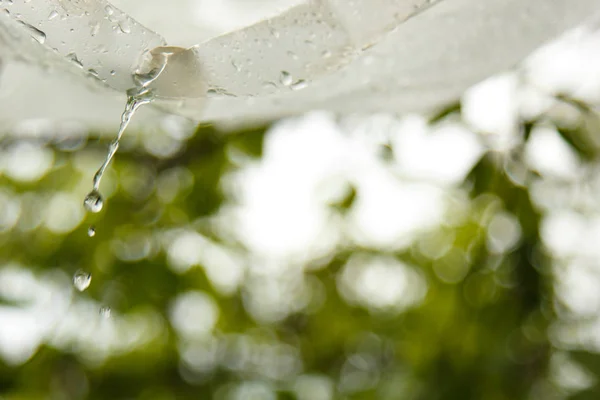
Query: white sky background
277	207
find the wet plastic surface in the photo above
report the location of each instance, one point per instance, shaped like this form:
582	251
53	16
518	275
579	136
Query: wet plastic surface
360	56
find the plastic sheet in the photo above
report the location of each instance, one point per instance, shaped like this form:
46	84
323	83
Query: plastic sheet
344	56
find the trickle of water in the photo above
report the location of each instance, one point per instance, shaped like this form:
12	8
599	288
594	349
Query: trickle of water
286	78
136	97
105	312
93	202
91	231
82	280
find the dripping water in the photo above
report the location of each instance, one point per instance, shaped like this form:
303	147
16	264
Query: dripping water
93	202
136	97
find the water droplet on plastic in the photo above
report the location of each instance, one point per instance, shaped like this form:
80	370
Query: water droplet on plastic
292	55
275	33
145	79
93	72
93	202
82	280
301	84
124	26
35	33
91	231
73	57
94	29
326	54
109	10
53	14
285	78
112	72
105	312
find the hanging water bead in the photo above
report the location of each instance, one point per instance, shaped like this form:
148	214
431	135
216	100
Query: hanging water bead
91	231
93	202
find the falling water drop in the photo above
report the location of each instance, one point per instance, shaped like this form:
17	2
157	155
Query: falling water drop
82	280
105	312
91	231
93	202
286	78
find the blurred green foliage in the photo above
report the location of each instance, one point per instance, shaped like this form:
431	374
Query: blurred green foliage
483	336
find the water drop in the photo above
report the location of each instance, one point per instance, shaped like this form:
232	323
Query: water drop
124	26
286	78
145	79
93	201
109	10
113	72
326	54
82	280
94	29
91	231
301	84
269	85
292	55
53	14
105	312
35	33
73	57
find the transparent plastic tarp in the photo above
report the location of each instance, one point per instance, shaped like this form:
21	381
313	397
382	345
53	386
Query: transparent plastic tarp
242	62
